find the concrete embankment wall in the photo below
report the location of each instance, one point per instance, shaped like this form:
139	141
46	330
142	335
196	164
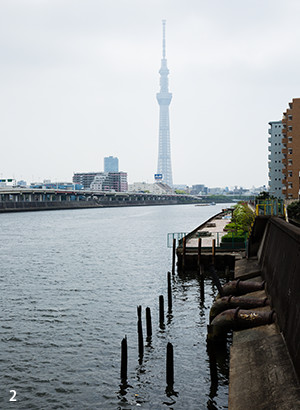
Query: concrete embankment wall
279	257
9	206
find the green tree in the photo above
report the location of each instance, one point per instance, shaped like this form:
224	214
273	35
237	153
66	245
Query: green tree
294	210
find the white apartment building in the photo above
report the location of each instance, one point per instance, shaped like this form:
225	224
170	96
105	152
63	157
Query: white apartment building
275	159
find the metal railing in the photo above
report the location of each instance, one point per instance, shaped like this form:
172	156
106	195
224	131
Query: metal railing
174	235
272	207
229	244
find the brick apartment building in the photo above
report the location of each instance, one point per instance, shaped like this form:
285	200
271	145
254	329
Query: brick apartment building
291	150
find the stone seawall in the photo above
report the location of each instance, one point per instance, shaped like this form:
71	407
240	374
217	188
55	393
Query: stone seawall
22	206
279	259
265	360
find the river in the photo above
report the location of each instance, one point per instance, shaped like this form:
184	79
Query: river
71	282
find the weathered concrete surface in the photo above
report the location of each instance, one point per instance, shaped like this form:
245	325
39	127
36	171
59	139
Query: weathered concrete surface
261	372
262	365
279	258
246	268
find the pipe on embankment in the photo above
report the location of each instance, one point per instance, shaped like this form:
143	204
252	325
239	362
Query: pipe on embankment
230	302
239	287
237	319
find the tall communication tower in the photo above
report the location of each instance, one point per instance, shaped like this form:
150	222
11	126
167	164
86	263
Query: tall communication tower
164	98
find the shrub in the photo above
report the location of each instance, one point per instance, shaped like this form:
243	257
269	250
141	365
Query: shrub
294	210
234	238
240	224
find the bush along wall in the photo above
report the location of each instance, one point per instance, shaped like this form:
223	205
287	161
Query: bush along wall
239	227
294	211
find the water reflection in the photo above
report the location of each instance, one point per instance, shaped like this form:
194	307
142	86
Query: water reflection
217	354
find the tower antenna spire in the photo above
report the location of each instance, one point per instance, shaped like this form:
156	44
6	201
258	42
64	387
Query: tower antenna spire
164	97
164	38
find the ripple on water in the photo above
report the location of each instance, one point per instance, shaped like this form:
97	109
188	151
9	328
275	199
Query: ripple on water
70	296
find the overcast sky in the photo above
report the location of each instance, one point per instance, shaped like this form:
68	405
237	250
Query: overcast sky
78	82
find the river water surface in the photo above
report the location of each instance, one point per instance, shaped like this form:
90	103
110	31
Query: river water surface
71	282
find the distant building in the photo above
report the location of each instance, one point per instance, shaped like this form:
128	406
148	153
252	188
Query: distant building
215	191
85	178
199	189
157	188
275	159
47	184
102	181
111	164
291	150
119	179
22	183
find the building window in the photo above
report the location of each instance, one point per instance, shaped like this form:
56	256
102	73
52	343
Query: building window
290	117
290	128
290	139
290	151
290	162
290	173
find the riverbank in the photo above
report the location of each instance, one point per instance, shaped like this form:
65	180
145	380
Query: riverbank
262	375
264	355
110	202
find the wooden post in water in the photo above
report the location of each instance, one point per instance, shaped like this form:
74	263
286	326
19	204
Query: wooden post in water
124	359
199	255
139	312
140	333
170	365
213	251
173	256
183	252
148	323
161	311
202	293
216	280
169	293
227	273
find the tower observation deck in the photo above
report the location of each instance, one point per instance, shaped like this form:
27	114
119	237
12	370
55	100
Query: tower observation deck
164	98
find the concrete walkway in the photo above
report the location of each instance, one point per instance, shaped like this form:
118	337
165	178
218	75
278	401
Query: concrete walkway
261	373
215	228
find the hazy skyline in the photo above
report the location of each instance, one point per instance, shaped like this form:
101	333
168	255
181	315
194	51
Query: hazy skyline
79	80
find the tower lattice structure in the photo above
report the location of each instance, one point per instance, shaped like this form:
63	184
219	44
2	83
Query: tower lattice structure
164	98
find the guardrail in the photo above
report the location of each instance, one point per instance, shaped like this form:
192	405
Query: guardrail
229	243
272	207
174	235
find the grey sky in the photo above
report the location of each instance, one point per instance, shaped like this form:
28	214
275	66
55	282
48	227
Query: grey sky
78	80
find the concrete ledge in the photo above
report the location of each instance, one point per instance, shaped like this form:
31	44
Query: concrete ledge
261	372
246	269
